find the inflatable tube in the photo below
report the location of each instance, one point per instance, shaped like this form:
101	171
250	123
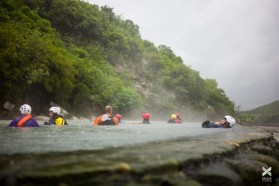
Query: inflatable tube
205	124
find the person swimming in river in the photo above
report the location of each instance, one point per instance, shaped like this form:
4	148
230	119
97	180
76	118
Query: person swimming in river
25	120
55	117
172	119
178	119
145	118
119	117
107	118
175	118
226	122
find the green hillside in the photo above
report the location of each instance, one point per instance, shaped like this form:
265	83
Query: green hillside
268	113
271	108
83	57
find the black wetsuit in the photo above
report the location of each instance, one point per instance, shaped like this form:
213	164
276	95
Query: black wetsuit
146	121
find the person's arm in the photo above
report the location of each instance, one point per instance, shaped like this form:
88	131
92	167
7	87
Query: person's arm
97	121
115	120
93	120
13	123
222	122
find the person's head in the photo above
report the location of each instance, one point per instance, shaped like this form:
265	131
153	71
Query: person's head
54	111
119	117
108	109
230	120
25	109
177	116
223	121
173	116
146	116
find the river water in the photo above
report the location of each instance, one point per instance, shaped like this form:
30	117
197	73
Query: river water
81	135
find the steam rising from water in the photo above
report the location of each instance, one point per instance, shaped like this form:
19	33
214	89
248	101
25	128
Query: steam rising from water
235	42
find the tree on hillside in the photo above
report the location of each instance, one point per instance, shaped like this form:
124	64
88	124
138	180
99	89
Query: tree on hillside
83	57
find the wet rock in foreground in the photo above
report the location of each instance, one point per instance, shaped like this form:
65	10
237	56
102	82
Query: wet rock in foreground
231	158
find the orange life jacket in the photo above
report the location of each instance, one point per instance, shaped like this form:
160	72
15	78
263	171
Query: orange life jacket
24	120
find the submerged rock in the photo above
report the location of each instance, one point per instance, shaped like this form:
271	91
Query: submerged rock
219	174
238	159
262	149
9	106
41	118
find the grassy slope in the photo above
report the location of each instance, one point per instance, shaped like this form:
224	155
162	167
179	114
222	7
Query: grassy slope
271	108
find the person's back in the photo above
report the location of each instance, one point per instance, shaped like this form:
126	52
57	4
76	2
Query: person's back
26	119
146	117
178	119
172	119
107	118
146	121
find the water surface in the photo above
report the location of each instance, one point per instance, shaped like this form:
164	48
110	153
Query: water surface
81	135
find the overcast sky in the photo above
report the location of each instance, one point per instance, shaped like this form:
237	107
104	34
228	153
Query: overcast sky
235	42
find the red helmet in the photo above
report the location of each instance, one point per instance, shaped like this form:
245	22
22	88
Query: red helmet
119	116
145	115
177	115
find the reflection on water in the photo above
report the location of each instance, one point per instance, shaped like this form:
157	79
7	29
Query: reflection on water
81	135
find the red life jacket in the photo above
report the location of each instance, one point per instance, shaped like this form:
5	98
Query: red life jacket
23	120
178	121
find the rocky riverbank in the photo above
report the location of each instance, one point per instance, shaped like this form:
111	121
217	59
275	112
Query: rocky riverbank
231	158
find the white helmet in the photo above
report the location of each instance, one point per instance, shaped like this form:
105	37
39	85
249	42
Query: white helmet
56	110
230	120
25	109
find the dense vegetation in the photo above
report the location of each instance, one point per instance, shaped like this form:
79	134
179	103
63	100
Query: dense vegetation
83	57
268	113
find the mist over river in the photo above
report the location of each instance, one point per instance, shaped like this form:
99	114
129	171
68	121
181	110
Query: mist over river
81	135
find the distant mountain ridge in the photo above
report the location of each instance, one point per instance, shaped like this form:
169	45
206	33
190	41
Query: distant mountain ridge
271	108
